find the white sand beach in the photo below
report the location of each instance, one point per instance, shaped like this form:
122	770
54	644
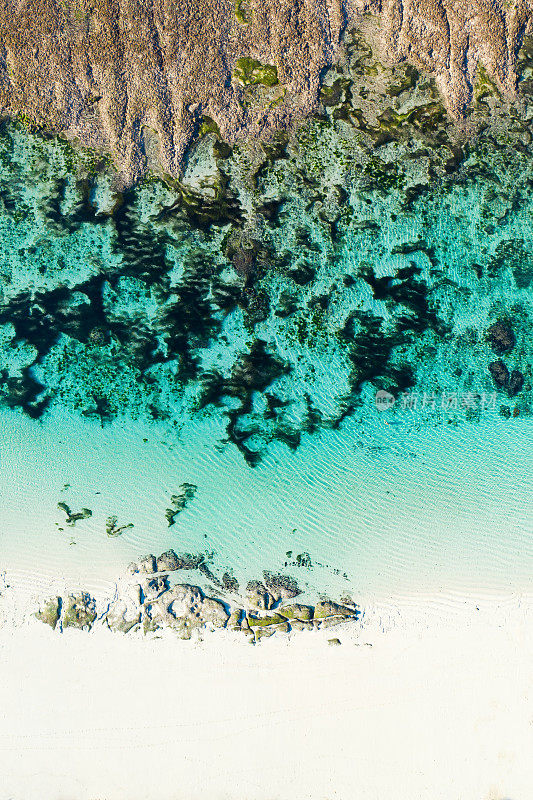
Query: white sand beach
420	702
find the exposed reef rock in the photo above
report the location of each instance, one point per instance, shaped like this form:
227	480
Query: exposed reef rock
151	604
140	80
50	611
452	38
79	611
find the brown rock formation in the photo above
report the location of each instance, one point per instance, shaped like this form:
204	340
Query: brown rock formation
135	77
449	38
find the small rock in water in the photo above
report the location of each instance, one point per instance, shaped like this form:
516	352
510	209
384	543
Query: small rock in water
230	583
258	597
73	517
500	373
281	587
180	501
501	337
113	529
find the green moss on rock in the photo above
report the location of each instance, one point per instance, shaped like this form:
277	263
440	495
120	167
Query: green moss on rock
49	612
79	612
243	12
260	622
249	72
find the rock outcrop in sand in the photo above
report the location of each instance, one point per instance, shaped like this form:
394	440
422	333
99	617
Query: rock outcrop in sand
139	78
146	601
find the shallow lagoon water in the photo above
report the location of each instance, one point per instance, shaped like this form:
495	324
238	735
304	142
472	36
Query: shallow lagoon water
382	510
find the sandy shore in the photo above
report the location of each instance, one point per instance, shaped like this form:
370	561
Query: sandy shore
431	700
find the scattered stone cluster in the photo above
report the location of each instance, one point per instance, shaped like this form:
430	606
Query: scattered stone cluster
147	601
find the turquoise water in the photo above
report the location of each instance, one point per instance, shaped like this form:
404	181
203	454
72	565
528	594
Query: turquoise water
237	344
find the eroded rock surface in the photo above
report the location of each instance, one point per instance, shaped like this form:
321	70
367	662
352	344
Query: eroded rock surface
150	603
141	79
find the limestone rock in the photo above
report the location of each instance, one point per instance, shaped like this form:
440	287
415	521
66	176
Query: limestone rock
326	608
281	587
50	611
268	620
79	611
258	597
183	600
516	383
122	617
153	588
331	622
300	625
125	612
135	78
297	611
147	564
230	583
168	562
500	374
269	630
213	613
234	621
501	337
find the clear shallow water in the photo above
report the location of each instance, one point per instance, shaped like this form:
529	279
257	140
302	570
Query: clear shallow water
259	387
381	511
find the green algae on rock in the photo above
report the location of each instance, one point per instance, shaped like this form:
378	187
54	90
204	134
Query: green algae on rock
249	71
50	612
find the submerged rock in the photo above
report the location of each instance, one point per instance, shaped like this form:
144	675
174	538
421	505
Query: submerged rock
501	337
500	374
170	561
515	383
281	587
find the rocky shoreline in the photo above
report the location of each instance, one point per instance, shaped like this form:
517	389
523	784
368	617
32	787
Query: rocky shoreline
141	80
147	600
